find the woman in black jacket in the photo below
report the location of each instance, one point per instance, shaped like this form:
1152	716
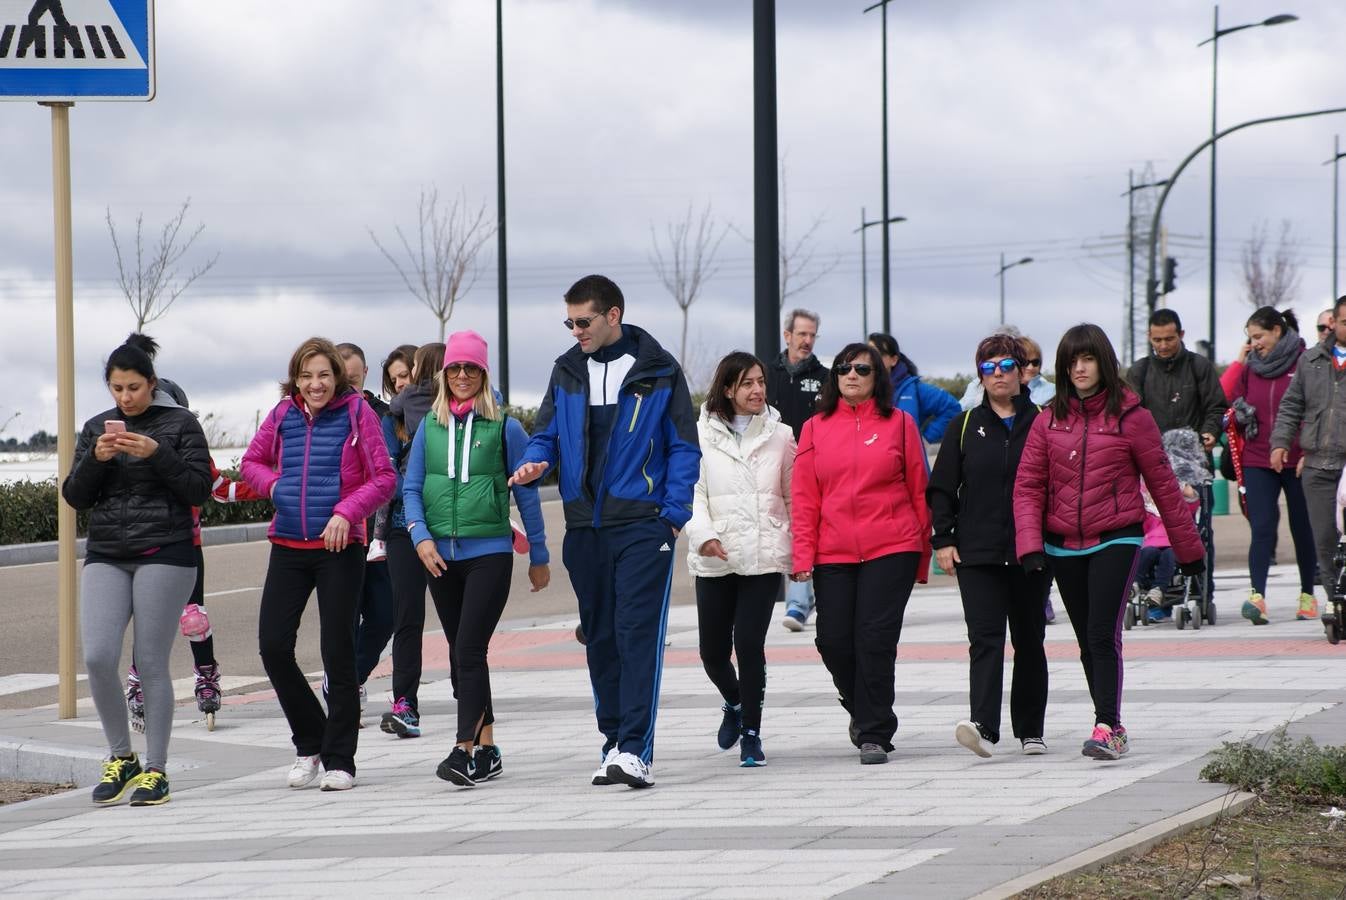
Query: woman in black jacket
970	496
139	468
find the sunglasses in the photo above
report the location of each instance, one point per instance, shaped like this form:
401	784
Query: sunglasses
1005	365
1324	329
455	369
864	370
1036	361
582	324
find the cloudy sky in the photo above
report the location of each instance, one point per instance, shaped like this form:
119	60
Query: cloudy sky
296	127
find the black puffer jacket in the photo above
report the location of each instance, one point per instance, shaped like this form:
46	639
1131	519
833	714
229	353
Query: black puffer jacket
971	492
794	393
138	504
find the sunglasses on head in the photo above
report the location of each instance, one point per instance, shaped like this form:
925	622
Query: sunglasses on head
861	369
454	369
988	367
581	323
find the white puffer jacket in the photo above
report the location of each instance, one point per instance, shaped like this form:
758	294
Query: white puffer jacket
742	497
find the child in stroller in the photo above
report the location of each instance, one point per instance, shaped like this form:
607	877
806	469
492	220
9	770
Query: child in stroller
1158	590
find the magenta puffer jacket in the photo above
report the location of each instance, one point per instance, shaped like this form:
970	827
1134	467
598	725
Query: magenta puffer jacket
1079	479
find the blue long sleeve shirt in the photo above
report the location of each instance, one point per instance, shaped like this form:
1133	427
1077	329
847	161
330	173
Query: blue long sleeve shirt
525	498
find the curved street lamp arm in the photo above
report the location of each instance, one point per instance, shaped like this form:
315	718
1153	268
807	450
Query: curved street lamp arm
1151	295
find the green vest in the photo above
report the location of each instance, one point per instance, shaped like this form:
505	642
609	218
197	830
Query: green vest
479	508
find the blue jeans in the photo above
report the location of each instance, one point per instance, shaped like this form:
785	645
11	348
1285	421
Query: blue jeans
799	599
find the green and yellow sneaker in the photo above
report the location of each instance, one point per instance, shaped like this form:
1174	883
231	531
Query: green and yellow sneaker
118	775
1255	608
151	790
1308	607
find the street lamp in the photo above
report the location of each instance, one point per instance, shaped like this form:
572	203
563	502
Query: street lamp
1130	195
864	267
1336	200
502	265
1214	41
882	6
1005	267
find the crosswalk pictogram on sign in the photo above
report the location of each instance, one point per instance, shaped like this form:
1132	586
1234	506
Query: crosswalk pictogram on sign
57	33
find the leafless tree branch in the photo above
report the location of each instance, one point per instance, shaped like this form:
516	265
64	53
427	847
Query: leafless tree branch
688	260
1271	280
155	283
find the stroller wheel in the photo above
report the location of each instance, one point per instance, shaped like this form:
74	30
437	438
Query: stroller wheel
1195	619
1129	618
1210	612
1333	632
1180	617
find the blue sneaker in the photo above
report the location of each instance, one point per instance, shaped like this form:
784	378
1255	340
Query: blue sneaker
750	751
730	726
793	620
401	720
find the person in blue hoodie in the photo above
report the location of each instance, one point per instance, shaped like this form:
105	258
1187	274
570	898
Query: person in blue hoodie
932	407
617	419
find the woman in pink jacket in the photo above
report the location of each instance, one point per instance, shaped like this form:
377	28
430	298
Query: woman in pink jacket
320	457
1077	499
862	533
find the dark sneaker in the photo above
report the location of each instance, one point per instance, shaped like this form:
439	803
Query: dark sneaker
118	775
151	789
730	726
750	753
401	720
1034	746
854	733
1106	743
872	755
457	768
486	763
971	736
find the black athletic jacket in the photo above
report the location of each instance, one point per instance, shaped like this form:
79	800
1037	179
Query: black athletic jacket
972	483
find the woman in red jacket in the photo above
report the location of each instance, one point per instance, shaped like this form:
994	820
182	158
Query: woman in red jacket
1077	499
1255	385
862	532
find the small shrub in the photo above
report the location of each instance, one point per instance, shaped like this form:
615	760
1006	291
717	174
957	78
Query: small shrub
1304	770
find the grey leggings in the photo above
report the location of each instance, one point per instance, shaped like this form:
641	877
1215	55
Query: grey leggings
152	596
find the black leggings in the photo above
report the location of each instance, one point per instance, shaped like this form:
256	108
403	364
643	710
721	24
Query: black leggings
470	598
409	579
1094	588
860	609
733	612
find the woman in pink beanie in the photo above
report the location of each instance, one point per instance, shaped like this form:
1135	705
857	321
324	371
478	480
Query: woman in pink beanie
457	508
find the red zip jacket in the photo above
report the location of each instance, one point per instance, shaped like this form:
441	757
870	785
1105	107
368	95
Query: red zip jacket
1079	479
858	489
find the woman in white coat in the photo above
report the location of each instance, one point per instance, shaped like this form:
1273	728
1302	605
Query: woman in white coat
739	541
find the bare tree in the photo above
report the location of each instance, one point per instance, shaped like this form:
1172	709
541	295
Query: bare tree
799	268
155	283
688	262
442	267
1271	279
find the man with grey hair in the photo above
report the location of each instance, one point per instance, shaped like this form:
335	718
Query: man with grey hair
794	381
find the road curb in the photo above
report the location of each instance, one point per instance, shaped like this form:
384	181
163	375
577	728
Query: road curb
1133	844
49	763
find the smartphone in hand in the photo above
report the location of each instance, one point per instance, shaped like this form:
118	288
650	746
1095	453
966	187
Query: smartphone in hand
114	426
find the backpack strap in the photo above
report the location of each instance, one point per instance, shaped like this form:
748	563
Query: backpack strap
962	430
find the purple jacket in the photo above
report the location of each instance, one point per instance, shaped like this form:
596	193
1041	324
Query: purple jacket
314	467
1263	395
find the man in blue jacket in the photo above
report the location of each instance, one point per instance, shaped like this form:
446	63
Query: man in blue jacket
618	420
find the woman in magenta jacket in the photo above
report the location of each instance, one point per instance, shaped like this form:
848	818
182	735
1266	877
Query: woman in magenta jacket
1259	378
862	533
320	457
1077	499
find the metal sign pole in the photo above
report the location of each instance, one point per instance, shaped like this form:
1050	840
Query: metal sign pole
66	605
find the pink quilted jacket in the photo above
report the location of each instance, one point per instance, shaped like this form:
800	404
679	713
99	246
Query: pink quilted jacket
1079	479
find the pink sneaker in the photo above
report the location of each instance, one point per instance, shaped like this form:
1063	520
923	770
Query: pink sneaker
1106	743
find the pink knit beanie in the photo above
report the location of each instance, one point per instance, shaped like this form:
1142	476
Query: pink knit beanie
465	347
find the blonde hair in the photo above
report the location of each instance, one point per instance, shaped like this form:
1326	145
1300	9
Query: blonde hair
483	405
1031	348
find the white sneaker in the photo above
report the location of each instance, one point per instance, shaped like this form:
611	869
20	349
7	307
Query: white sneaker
628	769
601	773
338	780
304	770
968	734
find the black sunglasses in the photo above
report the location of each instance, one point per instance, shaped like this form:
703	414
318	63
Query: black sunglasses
581	323
1036	361
468	369
864	370
1324	329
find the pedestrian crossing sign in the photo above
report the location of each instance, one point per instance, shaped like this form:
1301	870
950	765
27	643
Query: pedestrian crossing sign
69	50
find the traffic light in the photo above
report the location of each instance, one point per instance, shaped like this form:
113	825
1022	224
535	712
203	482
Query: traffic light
1170	275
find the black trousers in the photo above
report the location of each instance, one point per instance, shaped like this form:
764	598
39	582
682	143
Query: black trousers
469	598
733	613
993	595
409	578
860	609
291	575
1094	589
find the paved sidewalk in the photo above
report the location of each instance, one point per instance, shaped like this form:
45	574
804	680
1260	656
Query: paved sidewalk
935	822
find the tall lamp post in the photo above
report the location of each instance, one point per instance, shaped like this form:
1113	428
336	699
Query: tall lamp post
502	378
882	6
1336	202
1000	273
864	266
1214	40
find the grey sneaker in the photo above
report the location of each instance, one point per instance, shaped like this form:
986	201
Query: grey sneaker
872	755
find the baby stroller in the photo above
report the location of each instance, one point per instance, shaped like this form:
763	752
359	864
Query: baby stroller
1333	621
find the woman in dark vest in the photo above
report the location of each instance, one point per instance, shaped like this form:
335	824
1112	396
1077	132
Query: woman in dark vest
457	510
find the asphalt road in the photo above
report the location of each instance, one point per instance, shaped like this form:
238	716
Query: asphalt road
234	576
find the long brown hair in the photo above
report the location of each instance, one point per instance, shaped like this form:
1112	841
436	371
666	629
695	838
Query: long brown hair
883	391
1087	339
406	355
427	363
315	346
